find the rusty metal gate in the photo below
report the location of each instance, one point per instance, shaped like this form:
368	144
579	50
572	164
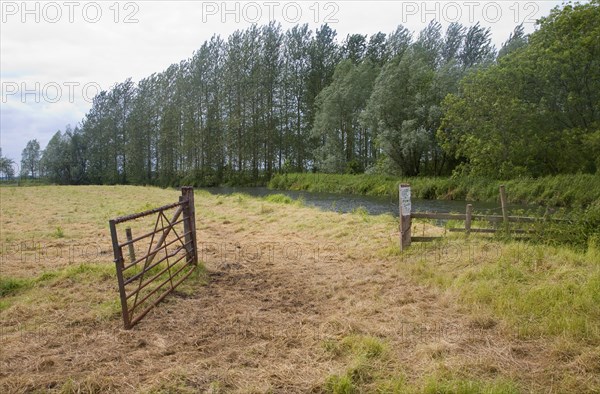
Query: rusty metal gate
157	261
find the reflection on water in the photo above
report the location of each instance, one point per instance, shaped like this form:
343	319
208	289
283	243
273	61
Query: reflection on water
349	202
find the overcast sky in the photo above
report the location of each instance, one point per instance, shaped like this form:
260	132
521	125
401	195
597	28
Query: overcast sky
55	56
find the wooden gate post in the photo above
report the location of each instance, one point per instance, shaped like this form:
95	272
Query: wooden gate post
189	222
405	208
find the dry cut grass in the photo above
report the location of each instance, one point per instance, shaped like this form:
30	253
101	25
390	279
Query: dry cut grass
292	300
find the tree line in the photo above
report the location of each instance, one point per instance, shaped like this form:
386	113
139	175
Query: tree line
265	100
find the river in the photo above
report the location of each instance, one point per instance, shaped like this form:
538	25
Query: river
373	205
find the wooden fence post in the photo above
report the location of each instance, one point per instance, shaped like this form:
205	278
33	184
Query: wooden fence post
405	221
503	205
468	219
130	246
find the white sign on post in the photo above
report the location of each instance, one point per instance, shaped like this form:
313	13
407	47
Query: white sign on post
405	201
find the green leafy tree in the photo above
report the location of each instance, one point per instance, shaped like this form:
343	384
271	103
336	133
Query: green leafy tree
404	109
398	42
477	47
295	127
377	51
30	159
343	138
355	47
518	39
6	167
535	112
56	160
324	55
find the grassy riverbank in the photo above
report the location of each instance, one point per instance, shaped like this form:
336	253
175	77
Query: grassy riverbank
560	190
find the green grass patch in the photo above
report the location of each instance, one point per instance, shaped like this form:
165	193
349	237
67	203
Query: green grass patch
10	286
356	345
176	381
93	383
239	197
337	384
435	385
88	271
81	272
364	346
539	290
5	304
58	233
367	361
197	278
361	211
283	199
364	355
279	199
109	309
395	385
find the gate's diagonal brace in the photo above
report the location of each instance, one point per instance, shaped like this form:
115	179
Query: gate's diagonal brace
163	237
154	252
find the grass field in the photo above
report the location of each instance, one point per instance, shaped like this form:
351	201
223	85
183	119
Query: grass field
291	299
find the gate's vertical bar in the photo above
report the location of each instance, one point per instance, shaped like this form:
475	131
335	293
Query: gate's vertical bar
188	193
405	220
118	254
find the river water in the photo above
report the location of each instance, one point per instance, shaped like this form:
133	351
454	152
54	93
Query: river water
373	205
